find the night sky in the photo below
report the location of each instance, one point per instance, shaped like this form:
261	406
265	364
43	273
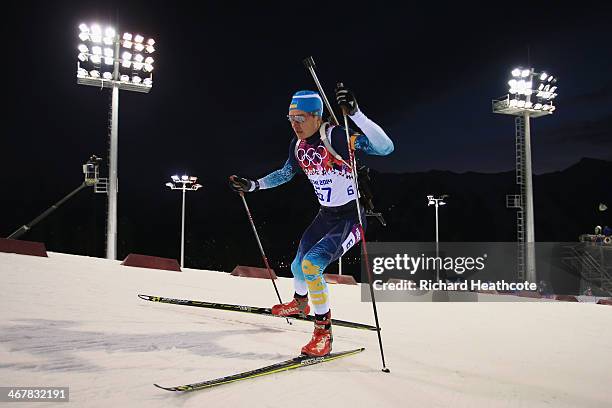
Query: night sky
223	80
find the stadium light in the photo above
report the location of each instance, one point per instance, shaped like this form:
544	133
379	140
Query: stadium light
530	95
185	183
95	34
150	42
100	50
438	202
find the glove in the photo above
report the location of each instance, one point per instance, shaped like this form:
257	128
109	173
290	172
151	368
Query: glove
346	99
243	185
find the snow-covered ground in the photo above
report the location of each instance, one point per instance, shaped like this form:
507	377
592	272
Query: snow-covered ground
76	321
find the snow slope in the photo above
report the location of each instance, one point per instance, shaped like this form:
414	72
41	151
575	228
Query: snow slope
76	321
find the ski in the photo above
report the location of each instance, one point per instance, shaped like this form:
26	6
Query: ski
291	364
264	311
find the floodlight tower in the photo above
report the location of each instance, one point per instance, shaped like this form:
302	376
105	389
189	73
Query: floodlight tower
530	95
99	52
184	183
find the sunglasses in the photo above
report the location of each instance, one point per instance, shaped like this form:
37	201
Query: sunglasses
298	118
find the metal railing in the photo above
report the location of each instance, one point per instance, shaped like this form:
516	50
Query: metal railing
588	267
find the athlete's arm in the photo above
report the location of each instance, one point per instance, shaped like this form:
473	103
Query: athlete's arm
278	177
374	140
282	175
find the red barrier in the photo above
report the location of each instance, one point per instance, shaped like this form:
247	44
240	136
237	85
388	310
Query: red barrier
605	302
253	272
15	246
566	298
151	262
488	292
529	294
339	279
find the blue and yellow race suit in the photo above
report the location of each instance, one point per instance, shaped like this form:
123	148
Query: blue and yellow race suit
335	229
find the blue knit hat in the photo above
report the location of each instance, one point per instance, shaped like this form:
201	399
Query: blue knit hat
307	101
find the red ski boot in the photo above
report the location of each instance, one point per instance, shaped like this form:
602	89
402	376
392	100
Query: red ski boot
298	306
322	338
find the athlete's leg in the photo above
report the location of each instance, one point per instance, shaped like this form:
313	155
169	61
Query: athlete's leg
340	238
314	262
315	231
299	305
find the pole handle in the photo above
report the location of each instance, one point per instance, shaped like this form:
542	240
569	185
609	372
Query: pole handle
310	66
344	109
309	62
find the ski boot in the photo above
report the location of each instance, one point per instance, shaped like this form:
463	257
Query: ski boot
298	306
322	338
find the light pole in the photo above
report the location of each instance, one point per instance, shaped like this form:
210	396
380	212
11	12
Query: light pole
99	53
525	100
184	183
437	202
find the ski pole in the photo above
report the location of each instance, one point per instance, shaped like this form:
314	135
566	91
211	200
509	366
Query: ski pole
263	254
364	246
310	65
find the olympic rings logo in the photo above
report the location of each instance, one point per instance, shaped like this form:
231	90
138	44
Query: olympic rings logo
312	155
